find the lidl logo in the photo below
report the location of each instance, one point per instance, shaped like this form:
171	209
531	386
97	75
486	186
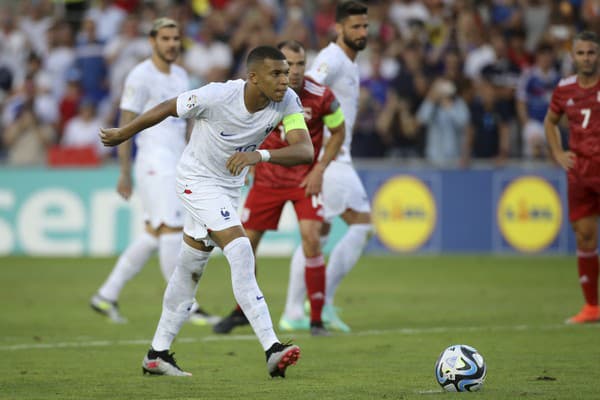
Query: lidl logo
404	213
529	214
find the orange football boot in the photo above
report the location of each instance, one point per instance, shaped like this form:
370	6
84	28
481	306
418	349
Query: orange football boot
588	313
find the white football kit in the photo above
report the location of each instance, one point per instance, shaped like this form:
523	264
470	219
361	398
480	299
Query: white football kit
160	146
222	126
342	188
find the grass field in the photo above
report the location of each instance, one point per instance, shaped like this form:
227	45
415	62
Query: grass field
403	310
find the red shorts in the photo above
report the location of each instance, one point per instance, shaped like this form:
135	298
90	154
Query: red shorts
264	205
583	190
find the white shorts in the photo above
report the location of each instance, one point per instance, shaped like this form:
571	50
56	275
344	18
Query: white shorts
209	208
343	190
156	189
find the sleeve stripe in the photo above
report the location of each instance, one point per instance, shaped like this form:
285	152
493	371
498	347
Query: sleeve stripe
294	121
335	119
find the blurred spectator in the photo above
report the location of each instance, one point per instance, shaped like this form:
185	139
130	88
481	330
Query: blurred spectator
69	103
89	60
107	18
35	20
27	138
60	57
82	130
445	116
488	134
533	98
398	129
536	18
216	56
14	46
403	13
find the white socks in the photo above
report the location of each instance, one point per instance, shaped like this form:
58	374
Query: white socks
179	301
344	256
128	265
169	245
246	291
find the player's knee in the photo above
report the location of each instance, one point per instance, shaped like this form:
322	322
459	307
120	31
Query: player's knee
311	245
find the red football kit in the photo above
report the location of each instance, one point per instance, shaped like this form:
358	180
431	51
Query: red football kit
274	185
582	107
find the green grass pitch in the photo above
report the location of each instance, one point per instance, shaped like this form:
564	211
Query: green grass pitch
403	310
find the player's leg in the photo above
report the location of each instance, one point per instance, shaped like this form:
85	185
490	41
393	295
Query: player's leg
586	235
347	251
261	212
293	317
344	195
236	317
178	303
314	273
128	265
238	251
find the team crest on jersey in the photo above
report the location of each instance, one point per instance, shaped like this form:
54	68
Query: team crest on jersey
192	102
225	214
268	129
307	113
570	103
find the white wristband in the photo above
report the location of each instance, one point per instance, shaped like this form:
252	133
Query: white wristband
265	155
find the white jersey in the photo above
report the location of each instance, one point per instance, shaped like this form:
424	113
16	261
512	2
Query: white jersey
222	126
146	87
333	68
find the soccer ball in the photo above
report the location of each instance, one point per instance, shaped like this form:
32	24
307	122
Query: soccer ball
460	368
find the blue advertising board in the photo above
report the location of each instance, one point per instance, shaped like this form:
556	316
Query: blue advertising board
415	210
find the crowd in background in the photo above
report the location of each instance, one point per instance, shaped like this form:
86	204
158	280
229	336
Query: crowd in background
445	81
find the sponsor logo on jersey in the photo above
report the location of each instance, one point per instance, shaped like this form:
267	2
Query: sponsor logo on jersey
226	134
529	214
404	213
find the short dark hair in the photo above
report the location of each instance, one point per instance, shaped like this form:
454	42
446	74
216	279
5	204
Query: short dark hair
348	8
291	44
588	36
261	53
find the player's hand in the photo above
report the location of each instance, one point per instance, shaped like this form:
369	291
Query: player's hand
124	186
566	159
111	136
313	182
241	159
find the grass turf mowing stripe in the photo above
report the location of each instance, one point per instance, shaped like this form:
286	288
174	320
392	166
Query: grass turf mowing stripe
370	332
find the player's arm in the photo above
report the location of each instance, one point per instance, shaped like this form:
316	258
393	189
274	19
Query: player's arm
299	151
313	182
565	159
115	136
124	184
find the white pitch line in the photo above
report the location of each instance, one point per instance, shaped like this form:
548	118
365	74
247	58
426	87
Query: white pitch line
370	332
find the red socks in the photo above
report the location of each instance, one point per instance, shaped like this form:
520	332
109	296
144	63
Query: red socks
587	263
314	276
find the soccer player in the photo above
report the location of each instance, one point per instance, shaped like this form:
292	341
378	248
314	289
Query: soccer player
578	96
158	151
231	120
274	185
343	193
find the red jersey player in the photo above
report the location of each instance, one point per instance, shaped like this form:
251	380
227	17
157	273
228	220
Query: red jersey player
578	97
274	186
